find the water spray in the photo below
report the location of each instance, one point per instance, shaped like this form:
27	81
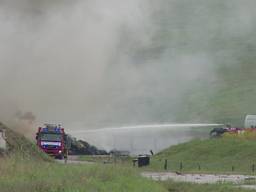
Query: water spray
152	126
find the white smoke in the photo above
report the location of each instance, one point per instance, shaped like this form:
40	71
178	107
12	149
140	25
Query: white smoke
98	63
56	58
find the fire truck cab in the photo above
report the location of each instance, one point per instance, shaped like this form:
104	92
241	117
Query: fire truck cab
52	140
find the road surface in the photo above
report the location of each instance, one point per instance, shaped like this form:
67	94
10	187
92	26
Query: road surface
73	159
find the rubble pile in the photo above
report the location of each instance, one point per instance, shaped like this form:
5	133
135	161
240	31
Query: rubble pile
80	147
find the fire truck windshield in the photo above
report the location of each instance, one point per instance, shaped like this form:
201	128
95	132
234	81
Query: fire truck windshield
50	137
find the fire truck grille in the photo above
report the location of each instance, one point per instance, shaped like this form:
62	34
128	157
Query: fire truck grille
51	147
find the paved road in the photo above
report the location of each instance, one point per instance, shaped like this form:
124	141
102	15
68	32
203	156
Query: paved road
73	159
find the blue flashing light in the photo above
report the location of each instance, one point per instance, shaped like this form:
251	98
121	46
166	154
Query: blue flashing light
57	130
45	129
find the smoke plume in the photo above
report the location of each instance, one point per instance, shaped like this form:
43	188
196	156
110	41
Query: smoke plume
98	63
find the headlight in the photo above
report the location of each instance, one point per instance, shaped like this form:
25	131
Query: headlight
60	151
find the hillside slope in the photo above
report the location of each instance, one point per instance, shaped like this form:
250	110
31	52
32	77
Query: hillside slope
18	145
228	99
224	90
213	155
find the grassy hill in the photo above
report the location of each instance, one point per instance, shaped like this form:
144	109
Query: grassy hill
23	170
213	155
228	99
20	146
225	92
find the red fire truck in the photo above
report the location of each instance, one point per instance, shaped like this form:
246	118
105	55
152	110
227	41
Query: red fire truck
53	140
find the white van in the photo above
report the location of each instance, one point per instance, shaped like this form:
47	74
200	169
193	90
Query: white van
250	121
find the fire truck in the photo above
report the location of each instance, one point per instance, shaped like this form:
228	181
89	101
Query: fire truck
249	127
53	140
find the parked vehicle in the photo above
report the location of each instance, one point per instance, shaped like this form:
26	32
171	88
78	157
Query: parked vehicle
249	127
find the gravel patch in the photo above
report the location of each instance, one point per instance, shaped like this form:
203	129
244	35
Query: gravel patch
197	178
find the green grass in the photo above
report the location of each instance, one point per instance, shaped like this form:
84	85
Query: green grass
18	145
213	155
25	168
26	175
209	156
19	174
